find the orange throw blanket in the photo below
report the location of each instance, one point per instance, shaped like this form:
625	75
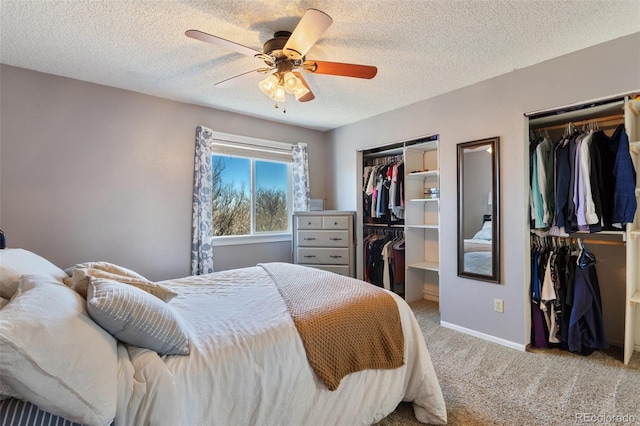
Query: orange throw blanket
346	325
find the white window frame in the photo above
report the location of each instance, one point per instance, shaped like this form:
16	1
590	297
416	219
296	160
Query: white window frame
224	144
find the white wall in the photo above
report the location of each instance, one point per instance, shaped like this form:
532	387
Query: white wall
491	108
89	172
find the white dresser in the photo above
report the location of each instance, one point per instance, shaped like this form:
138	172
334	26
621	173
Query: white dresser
325	240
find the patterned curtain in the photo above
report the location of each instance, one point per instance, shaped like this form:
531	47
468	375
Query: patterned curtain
202	228
301	191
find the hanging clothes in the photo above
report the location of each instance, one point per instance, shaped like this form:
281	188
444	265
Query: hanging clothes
584	181
566	309
384	259
624	199
383	193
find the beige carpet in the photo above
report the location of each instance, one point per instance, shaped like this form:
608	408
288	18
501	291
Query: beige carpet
488	384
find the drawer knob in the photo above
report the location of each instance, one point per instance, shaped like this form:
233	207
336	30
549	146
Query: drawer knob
309	238
308	223
335	239
309	255
335	223
333	256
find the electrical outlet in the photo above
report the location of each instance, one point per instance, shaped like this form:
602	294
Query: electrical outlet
498	305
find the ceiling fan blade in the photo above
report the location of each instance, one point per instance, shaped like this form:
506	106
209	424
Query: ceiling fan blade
208	38
338	68
312	25
235	80
309	96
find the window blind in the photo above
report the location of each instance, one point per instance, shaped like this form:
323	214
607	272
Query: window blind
243	146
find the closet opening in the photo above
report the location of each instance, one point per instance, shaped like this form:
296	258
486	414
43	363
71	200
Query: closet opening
399	217
584	227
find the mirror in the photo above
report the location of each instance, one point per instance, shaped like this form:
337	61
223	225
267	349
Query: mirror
478	210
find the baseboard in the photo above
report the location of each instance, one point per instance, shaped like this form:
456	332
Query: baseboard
484	336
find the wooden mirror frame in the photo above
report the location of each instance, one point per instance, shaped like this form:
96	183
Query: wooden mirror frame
492	146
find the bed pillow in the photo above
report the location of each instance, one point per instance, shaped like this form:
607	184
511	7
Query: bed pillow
485	233
136	317
55	356
15	263
24	410
82	272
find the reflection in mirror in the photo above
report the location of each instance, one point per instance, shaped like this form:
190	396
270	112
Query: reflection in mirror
478	210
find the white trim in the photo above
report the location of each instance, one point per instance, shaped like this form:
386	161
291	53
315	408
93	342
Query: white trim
484	336
238	240
603	99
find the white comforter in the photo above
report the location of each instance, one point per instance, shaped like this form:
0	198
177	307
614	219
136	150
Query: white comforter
248	366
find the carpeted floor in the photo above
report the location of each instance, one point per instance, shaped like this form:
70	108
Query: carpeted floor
489	384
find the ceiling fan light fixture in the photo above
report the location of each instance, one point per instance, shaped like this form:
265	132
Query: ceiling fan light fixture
280	95
300	92
268	86
291	82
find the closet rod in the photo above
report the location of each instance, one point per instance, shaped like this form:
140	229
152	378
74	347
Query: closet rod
593	241
603	242
616	117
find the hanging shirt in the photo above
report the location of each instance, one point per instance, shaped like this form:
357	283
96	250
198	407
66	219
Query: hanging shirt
542	158
624	199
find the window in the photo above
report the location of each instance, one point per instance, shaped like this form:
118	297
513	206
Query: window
251	189
250	196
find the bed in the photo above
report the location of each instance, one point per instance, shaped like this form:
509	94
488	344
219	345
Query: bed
219	349
478	251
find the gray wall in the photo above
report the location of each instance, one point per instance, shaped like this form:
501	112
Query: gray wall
491	108
89	172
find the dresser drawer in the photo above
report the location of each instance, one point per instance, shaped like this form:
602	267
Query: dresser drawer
322	238
335	256
338	222
309	222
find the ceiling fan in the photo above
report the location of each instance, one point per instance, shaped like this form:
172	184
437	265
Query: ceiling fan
284	54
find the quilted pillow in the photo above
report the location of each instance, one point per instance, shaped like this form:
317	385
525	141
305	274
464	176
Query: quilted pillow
82	272
15	263
136	317
55	356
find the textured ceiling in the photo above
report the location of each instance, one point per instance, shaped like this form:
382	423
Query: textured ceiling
421	48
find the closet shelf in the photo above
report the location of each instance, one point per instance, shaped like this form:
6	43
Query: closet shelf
422	175
423	226
423	200
427	266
